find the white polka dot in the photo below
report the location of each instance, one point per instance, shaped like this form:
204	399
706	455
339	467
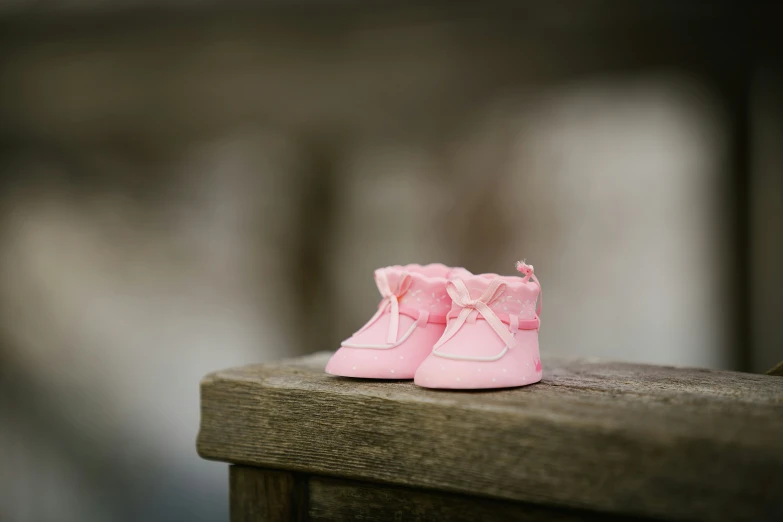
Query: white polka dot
401	357
442	368
493	379
433	294
504	370
354	367
375	358
478	369
458	379
392	371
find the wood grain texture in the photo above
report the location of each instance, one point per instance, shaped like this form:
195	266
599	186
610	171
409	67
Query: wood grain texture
618	438
342	500
262	495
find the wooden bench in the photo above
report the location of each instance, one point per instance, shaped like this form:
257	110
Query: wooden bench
592	441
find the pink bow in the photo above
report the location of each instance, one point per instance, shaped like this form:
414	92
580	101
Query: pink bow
461	297
391	300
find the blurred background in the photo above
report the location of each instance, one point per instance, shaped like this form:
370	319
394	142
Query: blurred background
187	186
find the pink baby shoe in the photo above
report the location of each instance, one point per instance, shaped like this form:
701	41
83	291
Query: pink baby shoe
410	318
491	340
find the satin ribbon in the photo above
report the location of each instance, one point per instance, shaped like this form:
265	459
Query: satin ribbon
461	297
391	301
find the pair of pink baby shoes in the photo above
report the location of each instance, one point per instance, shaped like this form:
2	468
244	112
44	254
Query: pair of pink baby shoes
447	328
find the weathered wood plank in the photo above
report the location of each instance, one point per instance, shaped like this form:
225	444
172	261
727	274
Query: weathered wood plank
620	438
263	495
342	500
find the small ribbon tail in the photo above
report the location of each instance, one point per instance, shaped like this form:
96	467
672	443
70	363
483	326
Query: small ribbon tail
453	327
540	296
496	324
529	275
